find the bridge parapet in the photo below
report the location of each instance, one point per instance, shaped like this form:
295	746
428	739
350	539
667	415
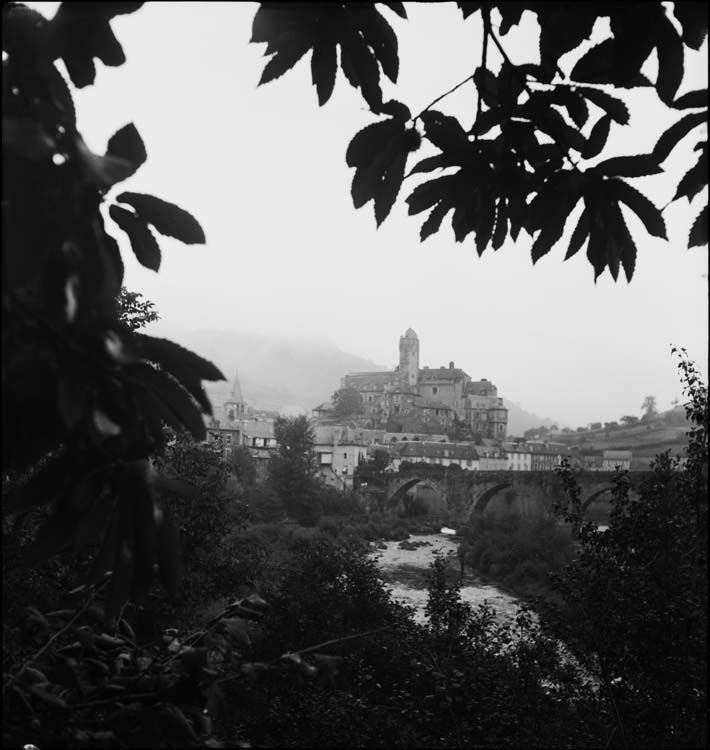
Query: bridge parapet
533	491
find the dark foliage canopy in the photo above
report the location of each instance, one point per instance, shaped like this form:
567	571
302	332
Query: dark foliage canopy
80	385
536	150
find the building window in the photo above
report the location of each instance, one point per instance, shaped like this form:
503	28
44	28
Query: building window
345	455
434	390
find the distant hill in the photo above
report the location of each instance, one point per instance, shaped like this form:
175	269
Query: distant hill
644	439
275	373
520	420
289	375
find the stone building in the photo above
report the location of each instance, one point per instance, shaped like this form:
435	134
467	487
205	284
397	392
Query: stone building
429	398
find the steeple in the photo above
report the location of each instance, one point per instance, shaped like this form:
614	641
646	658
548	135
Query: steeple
236	394
234	405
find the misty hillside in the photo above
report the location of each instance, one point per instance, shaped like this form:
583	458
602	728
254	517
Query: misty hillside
274	372
277	373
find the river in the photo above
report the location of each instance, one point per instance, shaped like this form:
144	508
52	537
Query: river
404	571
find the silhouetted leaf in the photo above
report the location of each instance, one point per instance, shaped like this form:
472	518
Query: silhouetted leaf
501	228
79	32
378	34
468	8
597	138
366	181
324	65
428	193
511	13
596	250
127	144
174	397
396	109
624	240
562	28
289	53
648	213
389	186
610	104
695	179
668	141
580	234
670	61
699	231
360	68
173	356
445	132
613	61
549	234
142	240
629	166
102	171
398	8
167	218
370	141
693	18
433	221
430	163
692	100
463	221
485	224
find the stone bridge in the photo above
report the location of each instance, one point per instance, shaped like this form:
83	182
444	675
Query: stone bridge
462	494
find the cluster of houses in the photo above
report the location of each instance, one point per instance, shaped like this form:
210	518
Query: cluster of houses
340	449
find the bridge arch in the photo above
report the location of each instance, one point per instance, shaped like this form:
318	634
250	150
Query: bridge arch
485	496
402	489
594	496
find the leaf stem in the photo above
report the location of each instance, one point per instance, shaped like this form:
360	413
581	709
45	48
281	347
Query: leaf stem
439	98
486	13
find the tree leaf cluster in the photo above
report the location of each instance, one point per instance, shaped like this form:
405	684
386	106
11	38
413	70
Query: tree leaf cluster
524	165
81	384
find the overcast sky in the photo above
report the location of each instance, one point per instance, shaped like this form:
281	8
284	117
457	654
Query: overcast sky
263	170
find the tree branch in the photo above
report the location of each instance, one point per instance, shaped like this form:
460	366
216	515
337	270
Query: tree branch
486	13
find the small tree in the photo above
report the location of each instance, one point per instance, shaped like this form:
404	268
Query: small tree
650	411
134	310
292	469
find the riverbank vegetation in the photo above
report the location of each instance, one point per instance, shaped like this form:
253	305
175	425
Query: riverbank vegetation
285	634
519	553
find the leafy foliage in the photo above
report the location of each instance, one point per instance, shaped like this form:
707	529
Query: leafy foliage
134	311
525	163
72	358
292	469
636	614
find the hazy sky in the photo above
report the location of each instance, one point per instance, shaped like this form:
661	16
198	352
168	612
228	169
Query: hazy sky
263	170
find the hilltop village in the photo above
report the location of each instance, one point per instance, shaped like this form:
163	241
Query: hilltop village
409	414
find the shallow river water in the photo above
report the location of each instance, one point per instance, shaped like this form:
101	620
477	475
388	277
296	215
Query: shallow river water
405	572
